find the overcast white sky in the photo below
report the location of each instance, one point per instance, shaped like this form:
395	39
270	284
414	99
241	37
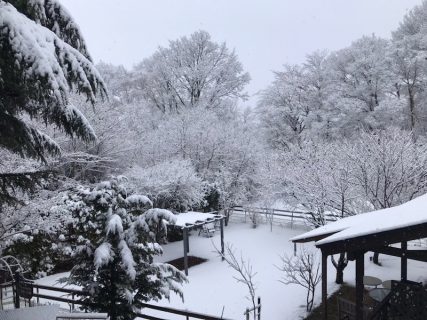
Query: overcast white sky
265	33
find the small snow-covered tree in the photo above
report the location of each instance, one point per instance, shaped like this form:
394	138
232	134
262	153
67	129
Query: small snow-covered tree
246	274
115	245
303	270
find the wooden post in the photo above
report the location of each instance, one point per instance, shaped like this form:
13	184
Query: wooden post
259	308
222	238
188	242
404	262
185	236
17	299
360	270
325	285
292	220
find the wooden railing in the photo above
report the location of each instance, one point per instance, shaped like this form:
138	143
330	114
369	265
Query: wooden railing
19	285
406	300
278	214
347	310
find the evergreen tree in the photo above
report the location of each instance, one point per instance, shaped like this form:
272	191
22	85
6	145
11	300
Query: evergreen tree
115	236
43	58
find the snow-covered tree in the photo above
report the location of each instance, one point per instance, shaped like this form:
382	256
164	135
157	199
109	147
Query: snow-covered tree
43	57
191	71
284	108
317	178
173	184
114	234
361	72
222	148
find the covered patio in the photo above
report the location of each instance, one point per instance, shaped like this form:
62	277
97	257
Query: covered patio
195	220
386	231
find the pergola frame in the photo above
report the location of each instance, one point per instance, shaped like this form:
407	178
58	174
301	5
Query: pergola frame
356	247
199	224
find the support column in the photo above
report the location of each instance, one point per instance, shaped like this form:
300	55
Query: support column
17	290
404	262
325	285
360	271
222	238
185	236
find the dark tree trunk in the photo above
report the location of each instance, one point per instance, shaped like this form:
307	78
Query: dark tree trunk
375	258
412	108
340	266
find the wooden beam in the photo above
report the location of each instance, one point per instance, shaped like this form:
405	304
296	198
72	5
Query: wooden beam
371	242
325	285
314	238
360	270
404	262
419	255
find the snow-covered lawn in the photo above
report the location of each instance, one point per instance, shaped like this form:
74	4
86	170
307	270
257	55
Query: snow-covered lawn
212	286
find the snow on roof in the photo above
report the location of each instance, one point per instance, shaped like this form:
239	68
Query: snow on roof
193	218
408	214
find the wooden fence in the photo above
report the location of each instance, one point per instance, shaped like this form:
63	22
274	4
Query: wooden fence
21	291
277	215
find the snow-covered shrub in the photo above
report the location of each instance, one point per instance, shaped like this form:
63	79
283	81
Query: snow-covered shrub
39	252
114	249
255	217
172	184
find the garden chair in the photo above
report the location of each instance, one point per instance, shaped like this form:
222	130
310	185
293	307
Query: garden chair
208	229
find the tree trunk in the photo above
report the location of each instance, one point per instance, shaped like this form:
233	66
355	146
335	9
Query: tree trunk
375	259
340	266
412	108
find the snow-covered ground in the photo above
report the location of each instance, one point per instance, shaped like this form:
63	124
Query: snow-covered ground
212	287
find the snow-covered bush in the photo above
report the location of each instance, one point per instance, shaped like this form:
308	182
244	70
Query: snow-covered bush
171	184
114	249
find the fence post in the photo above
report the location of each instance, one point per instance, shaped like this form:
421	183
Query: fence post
292	220
247	313
72	305
185	234
259	308
17	300
222	238
38	299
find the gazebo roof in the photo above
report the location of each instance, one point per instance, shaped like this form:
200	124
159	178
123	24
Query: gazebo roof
193	218
385	226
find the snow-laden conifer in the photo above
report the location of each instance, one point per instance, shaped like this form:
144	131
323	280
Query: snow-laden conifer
43	58
115	244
